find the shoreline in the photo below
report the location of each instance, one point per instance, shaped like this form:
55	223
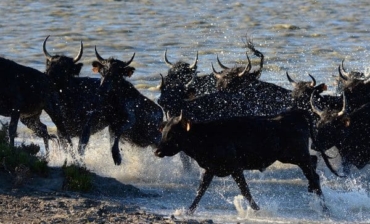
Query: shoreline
42	200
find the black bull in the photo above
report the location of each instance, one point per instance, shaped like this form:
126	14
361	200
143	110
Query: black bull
24	93
129	114
76	94
227	147
348	131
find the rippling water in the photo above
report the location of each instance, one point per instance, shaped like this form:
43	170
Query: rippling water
301	38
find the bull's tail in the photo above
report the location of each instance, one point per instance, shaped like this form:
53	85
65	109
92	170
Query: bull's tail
323	154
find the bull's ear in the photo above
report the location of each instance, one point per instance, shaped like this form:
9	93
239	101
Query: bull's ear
347	122
129	71
188	126
161	126
96	66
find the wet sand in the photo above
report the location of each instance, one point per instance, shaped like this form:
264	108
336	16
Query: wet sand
42	200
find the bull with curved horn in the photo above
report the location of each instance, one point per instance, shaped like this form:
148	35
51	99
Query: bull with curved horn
100	66
130	116
50	57
180	71
347	130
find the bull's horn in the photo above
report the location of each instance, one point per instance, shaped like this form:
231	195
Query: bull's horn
313	106
342	73
162	81
290	79
168	115
78	57
180	117
47	55
244	71
100	59
343	65
194	65
220	64
129	62
313	83
169	64
191	81
344	108
214	70
216	74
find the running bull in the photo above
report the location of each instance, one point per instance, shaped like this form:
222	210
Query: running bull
229	146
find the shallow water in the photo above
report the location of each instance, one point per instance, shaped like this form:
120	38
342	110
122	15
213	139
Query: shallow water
301	38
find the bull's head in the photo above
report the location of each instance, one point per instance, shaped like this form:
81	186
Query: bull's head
295	84
60	68
231	79
180	71
112	68
173	133
332	125
331	115
302	91
348	81
174	94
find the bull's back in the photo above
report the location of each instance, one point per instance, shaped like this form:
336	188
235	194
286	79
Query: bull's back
23	87
355	142
254	138
78	100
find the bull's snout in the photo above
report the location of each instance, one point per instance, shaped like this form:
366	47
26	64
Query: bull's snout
159	153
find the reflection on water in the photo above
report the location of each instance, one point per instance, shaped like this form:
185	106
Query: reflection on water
299	37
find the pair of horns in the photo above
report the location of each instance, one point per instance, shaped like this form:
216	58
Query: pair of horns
313	83
319	112
246	69
342	73
102	60
192	66
49	56
78	57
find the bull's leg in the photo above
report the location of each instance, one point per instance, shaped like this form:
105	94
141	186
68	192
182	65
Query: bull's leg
314	183
314	161
38	127
186	161
312	177
53	109
14	118
117	129
243	186
115	132
62	141
85	135
346	165
114	138
207	179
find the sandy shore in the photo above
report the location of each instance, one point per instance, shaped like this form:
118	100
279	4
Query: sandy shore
41	200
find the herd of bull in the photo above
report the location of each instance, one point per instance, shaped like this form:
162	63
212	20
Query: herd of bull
228	121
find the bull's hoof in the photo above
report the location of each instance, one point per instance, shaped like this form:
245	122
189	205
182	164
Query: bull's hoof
117	158
254	206
325	211
315	190
190	211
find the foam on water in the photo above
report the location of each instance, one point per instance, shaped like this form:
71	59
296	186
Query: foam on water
280	191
